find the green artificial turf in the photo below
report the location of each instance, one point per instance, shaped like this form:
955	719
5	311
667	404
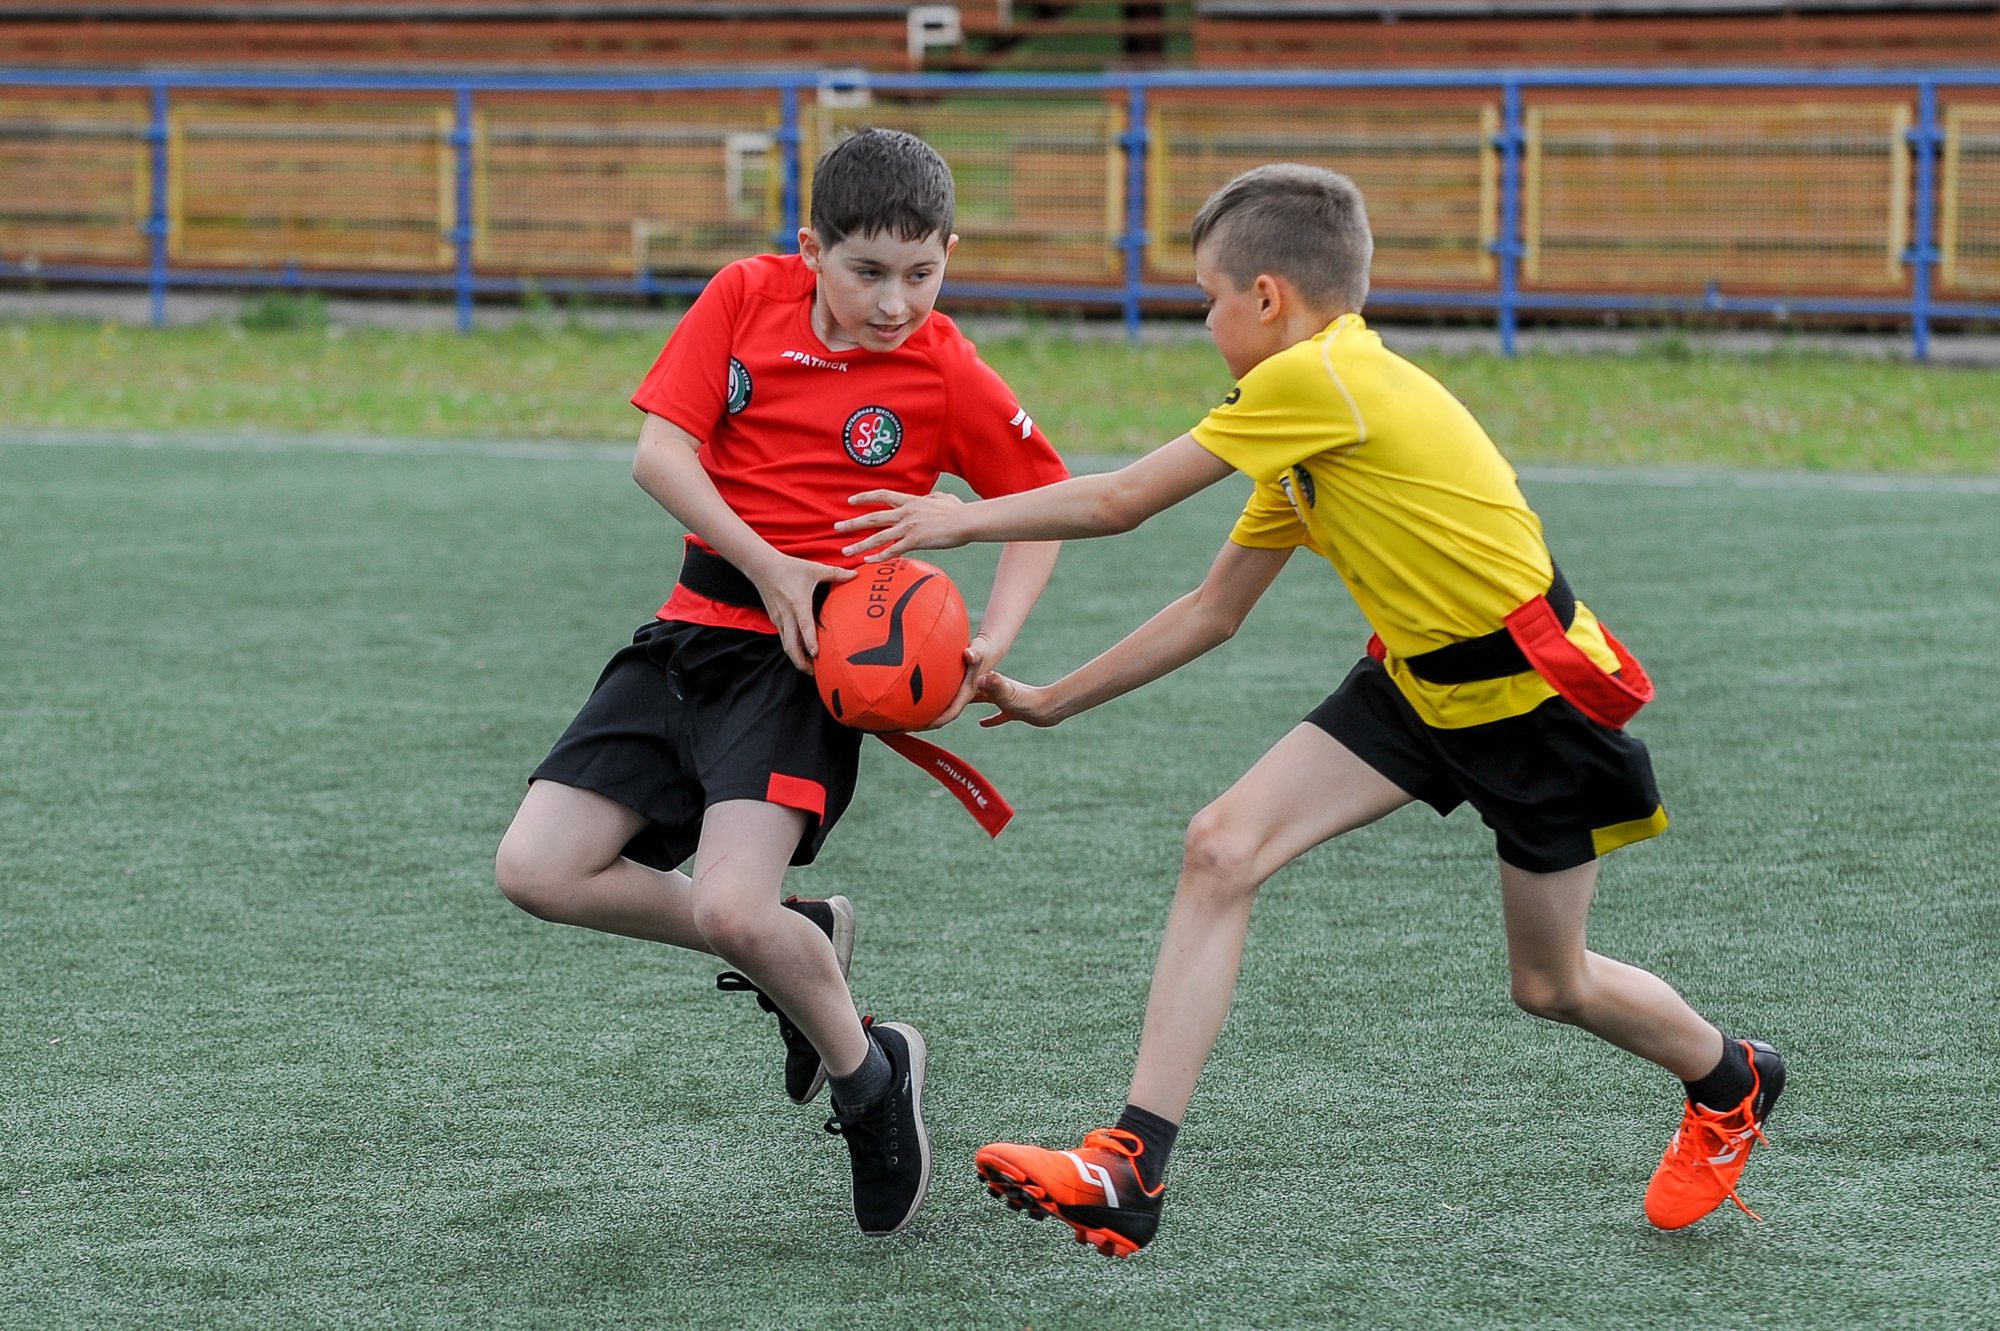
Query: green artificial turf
277	1055
555	380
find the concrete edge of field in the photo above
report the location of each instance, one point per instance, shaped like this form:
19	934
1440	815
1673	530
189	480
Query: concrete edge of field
558	450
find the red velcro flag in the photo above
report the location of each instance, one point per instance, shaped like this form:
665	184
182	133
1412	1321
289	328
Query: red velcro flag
1606	699
1609	700
987	806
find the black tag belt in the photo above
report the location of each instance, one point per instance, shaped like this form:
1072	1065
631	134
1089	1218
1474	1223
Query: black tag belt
706	573
1492	656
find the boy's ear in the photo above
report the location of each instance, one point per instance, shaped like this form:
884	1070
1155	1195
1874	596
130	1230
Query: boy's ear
810	249
1271	298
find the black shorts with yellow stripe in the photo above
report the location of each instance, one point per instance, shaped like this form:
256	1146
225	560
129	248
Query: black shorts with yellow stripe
1557	788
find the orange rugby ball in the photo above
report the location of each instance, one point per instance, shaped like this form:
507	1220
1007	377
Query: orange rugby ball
892	646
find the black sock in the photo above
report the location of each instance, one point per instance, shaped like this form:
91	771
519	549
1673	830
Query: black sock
1724	1088
863	1088
1157	1135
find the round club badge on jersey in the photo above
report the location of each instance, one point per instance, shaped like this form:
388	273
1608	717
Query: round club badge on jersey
739	386
872	436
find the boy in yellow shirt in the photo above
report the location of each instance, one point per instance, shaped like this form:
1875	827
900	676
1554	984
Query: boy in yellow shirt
1487	682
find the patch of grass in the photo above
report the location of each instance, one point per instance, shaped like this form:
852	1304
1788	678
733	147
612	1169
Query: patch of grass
556	379
284	312
1785	410
273	1052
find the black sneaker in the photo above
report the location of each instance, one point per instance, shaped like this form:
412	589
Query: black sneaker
892	1153
804	1073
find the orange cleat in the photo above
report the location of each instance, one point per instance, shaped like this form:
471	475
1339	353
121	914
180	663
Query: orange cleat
1708	1153
1094	1189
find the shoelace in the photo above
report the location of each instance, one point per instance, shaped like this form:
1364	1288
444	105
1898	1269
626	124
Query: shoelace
735	982
1714	1139
1124	1143
1120	1142
865	1136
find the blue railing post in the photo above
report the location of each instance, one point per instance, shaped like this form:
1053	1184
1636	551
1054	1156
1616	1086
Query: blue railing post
787	239
1137	142
156	213
1923	255
461	232
1508	248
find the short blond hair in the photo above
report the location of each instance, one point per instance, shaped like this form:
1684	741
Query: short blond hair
1303	223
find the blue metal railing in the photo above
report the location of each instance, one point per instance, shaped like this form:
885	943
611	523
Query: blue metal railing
1506	299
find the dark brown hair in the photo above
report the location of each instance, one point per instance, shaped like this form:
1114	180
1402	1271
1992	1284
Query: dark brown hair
881	182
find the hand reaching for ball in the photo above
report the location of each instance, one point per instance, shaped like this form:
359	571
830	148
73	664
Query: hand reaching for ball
977	656
1017	702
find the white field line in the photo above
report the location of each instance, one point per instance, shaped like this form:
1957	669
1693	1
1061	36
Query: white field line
554	451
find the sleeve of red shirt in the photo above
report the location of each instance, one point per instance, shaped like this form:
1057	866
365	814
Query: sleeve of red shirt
689	383
992	442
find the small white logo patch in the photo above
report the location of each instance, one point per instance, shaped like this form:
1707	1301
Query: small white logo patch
811	361
1024	421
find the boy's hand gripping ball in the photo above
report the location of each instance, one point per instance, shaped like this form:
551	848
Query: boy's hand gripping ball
892	646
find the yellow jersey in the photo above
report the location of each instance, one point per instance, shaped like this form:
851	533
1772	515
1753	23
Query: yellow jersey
1363	458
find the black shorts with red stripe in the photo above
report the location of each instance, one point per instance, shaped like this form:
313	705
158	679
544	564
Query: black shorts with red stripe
1557	789
689	716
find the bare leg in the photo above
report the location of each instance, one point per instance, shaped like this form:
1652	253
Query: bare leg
561	861
1308	788
739	874
1556	977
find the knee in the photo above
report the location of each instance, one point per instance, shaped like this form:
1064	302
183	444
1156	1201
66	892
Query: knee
727	925
1220	859
1553	996
530	881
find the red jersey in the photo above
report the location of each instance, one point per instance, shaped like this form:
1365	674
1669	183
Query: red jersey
790	429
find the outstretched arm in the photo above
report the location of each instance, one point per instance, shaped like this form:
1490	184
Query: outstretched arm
667	468
1205	618
1024	571
1101	505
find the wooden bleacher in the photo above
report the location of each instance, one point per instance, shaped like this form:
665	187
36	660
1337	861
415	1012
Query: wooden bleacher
1623	33
586	34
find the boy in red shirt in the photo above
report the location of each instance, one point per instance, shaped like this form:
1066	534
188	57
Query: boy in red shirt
793	381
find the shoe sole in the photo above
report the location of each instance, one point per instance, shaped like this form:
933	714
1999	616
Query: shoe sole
918	1057
843	952
1025	1196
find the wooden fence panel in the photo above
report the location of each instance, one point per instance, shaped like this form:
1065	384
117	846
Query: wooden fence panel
1970	213
1776	198
74	181
681	186
340	186
1429	174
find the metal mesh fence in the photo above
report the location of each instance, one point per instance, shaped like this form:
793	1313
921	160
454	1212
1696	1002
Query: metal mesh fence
1785	194
1971	203
333	185
74	181
1040	183
678	185
1671	197
1429	174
